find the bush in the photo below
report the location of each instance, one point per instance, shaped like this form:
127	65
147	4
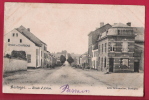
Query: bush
18	54
8	56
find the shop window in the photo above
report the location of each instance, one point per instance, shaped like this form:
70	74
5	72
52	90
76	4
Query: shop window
125	46
28	58
8	40
20	40
112	47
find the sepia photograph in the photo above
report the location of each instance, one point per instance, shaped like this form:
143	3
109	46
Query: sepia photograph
73	49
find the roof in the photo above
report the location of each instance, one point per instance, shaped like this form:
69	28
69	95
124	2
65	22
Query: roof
95	46
30	36
101	29
120	25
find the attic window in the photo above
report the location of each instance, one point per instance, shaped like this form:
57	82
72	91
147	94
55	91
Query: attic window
8	40
20	40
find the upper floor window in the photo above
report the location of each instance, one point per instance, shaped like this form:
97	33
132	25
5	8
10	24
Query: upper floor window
112	47
16	34
105	47
20	40
125	46
8	40
13	34
102	47
99	48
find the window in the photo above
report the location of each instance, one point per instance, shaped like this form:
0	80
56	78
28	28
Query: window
20	40
13	34
41	53
8	40
112	47
99	49
105	47
16	34
125	46
28	58
102	47
105	62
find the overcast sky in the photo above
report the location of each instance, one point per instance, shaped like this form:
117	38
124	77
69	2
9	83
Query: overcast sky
66	26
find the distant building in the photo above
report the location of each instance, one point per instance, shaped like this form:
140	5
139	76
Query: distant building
83	60
21	39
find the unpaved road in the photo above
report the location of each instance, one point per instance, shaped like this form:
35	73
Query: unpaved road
72	76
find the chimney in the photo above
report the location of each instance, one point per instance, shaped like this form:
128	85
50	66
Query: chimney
129	23
28	29
101	24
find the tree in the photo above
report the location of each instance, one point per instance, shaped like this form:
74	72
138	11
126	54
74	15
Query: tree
62	59
70	59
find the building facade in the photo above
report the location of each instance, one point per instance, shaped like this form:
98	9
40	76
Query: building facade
21	39
92	40
119	49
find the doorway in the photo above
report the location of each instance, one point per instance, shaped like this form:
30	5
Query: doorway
111	63
136	66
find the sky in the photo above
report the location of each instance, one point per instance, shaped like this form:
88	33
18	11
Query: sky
66	26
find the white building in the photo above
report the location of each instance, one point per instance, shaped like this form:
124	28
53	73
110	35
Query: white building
21	39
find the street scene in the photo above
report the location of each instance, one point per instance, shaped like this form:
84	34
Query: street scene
85	46
67	74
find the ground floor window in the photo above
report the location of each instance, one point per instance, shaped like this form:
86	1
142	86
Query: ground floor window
29	58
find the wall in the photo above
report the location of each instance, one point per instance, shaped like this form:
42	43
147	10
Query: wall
11	65
103	55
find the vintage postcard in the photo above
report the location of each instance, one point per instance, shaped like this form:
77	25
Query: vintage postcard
73	49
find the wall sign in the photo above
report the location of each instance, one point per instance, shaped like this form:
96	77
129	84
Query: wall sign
19	45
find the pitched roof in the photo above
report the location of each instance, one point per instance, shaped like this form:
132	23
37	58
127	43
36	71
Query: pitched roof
30	36
120	25
101	29
95	46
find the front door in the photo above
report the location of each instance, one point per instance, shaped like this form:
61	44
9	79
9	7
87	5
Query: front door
136	66
111	62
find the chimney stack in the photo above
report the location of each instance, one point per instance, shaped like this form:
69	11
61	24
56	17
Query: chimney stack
129	23
28	29
101	24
